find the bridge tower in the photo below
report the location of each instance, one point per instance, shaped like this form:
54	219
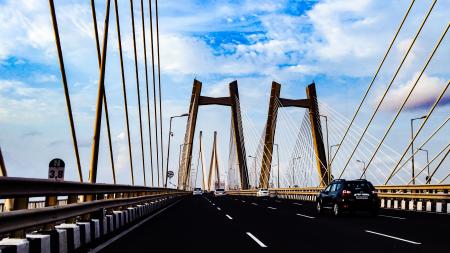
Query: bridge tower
198	100
214	165
316	130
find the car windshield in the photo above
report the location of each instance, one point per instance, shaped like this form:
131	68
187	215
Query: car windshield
359	186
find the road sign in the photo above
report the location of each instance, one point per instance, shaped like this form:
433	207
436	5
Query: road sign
56	169
170	174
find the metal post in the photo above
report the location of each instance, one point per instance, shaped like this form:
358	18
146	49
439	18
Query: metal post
328	148
278	165
412	148
364	168
428	163
168	144
293	170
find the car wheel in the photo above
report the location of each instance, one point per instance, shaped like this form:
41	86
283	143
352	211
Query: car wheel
319	208
336	210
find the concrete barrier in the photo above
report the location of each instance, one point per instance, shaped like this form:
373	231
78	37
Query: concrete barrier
73	235
85	232
14	245
39	243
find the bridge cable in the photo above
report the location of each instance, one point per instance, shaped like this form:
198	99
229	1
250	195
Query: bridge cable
66	88
437	167
136	67
373	79
147	93
160	97
399	111
97	43
154	92
430	162
119	42
390	84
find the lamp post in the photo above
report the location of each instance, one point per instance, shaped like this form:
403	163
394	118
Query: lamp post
364	168
329	162
254	168
168	146
412	147
293	167
278	165
328	147
428	165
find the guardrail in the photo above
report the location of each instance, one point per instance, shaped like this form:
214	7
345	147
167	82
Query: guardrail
82	202
432	198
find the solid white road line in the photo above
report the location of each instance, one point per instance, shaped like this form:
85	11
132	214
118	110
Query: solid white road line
393	237
273	208
254	204
393	217
256	240
306	216
228	216
298	204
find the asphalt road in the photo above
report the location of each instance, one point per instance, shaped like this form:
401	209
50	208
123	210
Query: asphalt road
235	224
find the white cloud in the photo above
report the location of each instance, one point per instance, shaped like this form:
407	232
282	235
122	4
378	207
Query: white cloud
424	95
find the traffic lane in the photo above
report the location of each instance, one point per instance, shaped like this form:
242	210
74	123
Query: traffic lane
429	229
282	227
192	224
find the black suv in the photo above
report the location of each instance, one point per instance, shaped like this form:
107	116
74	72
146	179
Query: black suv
348	195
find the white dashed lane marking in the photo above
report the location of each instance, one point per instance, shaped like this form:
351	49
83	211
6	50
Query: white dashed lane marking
393	237
228	216
256	240
306	216
273	208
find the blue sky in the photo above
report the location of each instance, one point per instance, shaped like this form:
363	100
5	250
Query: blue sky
338	44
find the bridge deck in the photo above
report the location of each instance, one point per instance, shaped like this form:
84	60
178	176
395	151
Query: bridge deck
207	223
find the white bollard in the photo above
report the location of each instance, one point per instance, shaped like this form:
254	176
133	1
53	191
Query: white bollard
85	232
403	204
382	203
73	235
389	203
39	243
95	229
448	207
439	207
110	222
428	206
411	205
15	245
395	204
419	206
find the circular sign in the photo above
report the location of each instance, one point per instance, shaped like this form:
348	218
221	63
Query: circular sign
56	169
170	174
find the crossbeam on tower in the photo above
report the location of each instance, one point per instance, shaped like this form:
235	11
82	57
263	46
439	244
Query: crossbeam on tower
198	100
316	130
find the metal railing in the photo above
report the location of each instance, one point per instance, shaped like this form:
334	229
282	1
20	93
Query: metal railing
391	192
82	200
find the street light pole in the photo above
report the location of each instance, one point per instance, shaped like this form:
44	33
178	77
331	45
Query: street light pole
412	147
329	162
364	168
293	170
278	165
328	148
428	163
256	183
168	146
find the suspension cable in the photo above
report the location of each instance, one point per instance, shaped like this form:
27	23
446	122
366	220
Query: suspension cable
66	88
148	96
97	43
124	88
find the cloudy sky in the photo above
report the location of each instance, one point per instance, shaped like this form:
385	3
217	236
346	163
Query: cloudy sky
338	44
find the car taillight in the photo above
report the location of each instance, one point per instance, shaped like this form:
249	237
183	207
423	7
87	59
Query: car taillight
346	193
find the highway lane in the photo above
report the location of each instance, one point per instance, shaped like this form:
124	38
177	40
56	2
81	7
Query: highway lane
236	223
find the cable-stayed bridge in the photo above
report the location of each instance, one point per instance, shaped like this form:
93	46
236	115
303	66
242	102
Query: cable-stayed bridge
304	145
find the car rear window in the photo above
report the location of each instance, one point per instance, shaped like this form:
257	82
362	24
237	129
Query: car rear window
359	186
220	190
197	189
264	190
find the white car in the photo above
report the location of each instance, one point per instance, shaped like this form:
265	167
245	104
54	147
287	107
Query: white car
263	192
219	192
197	191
